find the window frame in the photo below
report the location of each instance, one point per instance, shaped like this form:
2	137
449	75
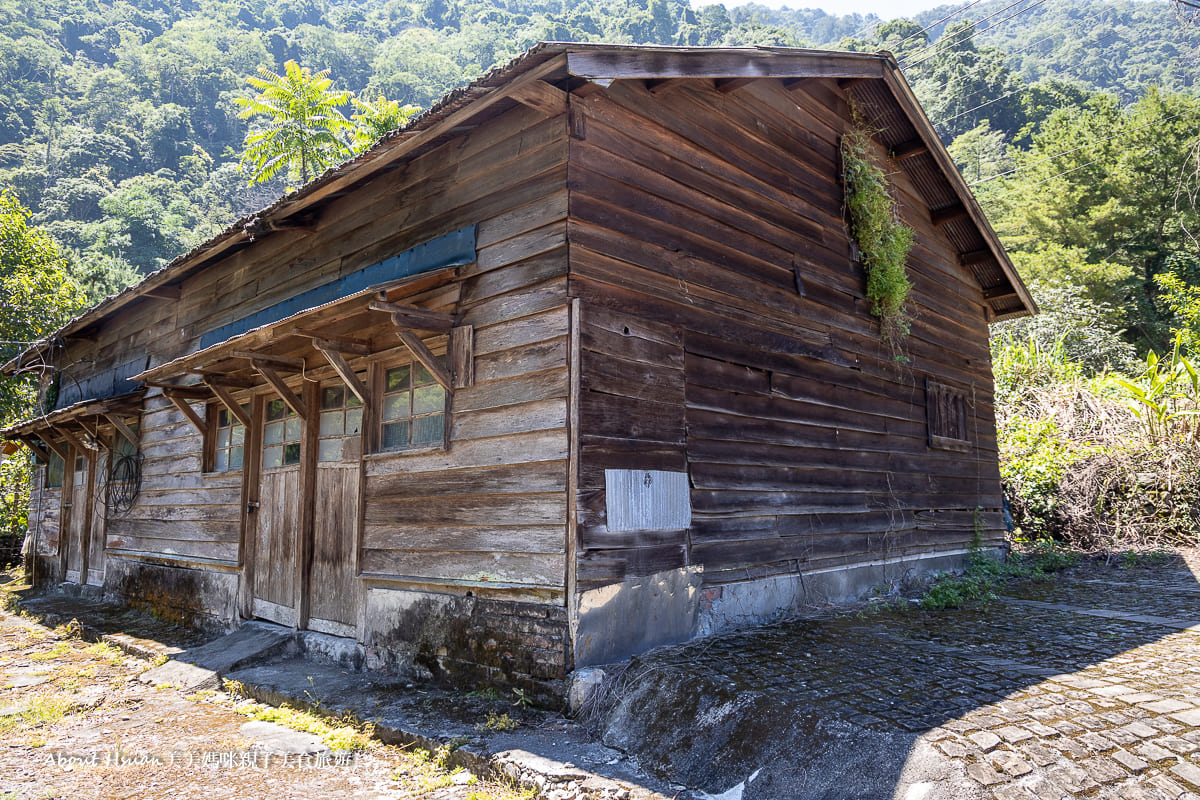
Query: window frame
62	472
212	431
942	397
265	422
378	385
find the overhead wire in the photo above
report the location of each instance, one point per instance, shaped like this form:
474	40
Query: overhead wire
908	63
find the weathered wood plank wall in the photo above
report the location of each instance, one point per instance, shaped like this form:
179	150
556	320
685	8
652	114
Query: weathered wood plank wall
709	245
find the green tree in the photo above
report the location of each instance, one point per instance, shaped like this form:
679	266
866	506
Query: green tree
374	120
38	296
304	130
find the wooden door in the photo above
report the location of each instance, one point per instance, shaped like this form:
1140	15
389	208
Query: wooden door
98	519
277	520
75	516
332	588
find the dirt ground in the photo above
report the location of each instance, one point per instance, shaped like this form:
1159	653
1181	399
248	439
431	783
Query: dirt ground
77	723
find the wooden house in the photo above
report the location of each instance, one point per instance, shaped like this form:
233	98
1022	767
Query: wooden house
576	364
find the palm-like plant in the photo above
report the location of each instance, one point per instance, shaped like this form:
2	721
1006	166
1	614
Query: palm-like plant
304	132
374	120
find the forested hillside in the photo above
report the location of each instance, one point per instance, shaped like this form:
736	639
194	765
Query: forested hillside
118	126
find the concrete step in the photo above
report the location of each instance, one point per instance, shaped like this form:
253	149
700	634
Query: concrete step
203	667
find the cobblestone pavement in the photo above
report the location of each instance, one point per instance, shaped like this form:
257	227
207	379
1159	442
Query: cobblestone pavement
1087	686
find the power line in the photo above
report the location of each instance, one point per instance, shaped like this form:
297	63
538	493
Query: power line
1076	150
909	63
939	22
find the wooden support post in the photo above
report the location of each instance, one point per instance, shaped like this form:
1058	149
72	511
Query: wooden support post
462	356
277	383
37	451
232	405
421	353
343	369
182	404
122	428
415	318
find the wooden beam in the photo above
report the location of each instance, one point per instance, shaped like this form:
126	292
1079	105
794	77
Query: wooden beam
850	83
414	317
182	404
194	392
211	378
973	257
164	292
122	428
727	85
541	97
462	356
421	353
72	439
278	362
945	215
909	149
661	86
227	400
343	369
343	344
37	451
277	383
55	447
999	293
721	63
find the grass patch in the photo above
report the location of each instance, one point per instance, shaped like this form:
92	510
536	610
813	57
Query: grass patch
345	737
42	711
985	572
58	651
498	722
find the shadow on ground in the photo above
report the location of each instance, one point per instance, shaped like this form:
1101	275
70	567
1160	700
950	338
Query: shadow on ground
1088	685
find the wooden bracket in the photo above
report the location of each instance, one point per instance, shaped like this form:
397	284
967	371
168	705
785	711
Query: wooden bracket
462	356
661	85
37	451
909	149
56	448
277	383
278	362
414	317
428	360
73	440
343	369
180	401
945	215
541	97
973	257
850	83
232	405
122	428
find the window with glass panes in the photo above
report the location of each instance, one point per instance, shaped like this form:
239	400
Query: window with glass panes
282	432
341	424
54	472
230	444
414	408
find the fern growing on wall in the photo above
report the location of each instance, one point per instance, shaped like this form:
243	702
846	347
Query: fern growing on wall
883	241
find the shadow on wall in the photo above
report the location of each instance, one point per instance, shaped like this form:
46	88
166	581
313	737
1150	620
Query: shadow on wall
836	707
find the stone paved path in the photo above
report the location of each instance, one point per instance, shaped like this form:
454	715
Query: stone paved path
1088	686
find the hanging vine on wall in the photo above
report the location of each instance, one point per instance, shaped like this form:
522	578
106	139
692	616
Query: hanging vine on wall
883	241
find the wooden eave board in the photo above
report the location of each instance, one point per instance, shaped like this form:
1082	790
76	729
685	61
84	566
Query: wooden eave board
85	408
618	63
282	343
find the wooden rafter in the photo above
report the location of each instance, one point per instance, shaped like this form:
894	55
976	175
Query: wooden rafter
220	378
428	360
122	428
193	392
909	149
414	317
727	85
343	369
973	257
57	449
164	292
664	85
180	402
343	344
227	400
278	362
944	215
278	384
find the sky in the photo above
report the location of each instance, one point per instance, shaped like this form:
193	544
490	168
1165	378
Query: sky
885	9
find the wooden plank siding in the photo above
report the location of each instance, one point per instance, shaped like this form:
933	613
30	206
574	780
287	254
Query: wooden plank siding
725	333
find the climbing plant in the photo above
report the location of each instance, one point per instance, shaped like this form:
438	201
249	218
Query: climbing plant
883	241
